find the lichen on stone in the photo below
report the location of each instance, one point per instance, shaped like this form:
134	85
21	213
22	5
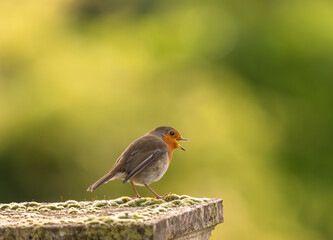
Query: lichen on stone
99	212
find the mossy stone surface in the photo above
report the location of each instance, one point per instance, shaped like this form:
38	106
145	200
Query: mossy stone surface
122	218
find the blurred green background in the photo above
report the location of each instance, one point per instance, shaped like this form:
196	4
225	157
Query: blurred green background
248	82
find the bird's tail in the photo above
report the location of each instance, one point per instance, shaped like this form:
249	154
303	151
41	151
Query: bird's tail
107	177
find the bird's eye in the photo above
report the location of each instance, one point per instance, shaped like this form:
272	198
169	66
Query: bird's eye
172	133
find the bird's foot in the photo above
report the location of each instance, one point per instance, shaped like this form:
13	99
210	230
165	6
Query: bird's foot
137	196
160	197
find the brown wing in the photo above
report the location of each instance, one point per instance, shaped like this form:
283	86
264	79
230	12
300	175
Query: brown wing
156	155
141	153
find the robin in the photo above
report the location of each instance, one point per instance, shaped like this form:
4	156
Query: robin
145	160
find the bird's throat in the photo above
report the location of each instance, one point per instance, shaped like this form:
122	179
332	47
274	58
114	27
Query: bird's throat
171	143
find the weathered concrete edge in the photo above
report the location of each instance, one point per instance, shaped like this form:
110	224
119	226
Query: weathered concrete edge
209	215
77	231
196	219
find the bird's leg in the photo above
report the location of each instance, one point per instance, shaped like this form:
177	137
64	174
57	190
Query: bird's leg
156	195
137	194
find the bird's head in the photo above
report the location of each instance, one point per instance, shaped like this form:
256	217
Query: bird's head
170	136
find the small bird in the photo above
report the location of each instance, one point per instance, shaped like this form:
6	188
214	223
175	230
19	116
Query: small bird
145	160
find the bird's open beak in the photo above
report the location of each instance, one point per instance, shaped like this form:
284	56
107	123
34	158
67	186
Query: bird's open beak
182	139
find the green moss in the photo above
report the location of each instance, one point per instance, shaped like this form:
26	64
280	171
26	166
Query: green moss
184	196
162	209
100	204
124	216
73	211
188	202
153	202
96	213
113	204
54	207
109	220
136	216
14	206
62	204
73	206
136	202
33	204
70	204
91	210
171	197
43	209
94	222
121	200
4	206
176	202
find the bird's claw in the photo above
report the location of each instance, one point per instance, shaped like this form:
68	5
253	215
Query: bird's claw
160	197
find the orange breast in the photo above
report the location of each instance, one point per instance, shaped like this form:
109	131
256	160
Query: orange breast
171	143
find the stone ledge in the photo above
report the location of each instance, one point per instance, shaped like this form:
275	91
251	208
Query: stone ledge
174	217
